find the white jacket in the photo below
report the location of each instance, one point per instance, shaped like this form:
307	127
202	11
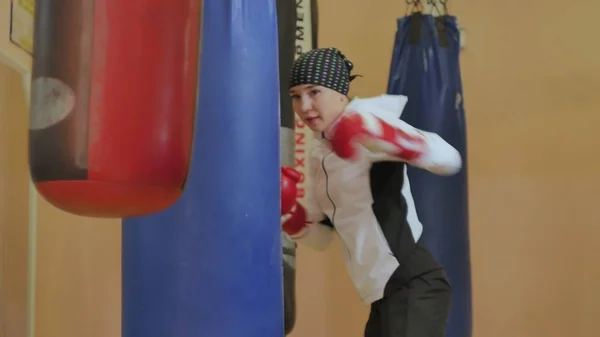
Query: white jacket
368	202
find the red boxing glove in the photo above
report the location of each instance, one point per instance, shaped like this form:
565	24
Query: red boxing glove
376	135
297	223
289	190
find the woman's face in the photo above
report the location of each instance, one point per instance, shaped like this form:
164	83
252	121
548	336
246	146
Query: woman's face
318	107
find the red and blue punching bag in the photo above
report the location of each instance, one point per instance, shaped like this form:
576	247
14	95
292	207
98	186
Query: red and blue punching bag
113	98
218	271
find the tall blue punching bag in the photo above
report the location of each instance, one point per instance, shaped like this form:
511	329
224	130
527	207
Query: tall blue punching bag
211	265
425	68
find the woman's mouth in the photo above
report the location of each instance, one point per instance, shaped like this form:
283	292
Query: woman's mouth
312	120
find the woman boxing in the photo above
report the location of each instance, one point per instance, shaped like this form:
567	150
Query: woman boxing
359	189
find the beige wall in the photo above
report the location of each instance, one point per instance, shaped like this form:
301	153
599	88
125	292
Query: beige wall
77	288
533	182
533	173
14	205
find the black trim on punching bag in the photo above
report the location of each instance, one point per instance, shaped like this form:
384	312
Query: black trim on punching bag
293	19
286	19
314	9
58	123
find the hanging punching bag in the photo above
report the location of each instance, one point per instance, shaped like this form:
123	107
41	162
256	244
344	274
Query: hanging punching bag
210	265
425	68
286	21
113	98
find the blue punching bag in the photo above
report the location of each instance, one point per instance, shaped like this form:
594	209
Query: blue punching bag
211	265
425	68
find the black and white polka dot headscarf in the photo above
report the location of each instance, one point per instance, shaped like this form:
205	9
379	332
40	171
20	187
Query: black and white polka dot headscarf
326	67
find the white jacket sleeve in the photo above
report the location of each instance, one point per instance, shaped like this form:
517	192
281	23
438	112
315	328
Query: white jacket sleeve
437	156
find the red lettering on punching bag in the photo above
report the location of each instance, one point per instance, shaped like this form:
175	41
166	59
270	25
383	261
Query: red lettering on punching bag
300	138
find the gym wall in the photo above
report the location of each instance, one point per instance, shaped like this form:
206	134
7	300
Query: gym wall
531	75
533	183
14	204
77	260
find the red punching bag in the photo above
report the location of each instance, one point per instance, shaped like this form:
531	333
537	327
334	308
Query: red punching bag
113	99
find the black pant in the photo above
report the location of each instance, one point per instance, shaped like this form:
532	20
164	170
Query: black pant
418	309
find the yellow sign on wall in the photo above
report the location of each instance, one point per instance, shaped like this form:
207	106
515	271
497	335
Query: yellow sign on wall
21	24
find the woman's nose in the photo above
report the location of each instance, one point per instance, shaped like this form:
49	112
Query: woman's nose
306	104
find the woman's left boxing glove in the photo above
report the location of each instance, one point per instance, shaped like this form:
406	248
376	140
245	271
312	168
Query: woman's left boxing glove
289	190
295	223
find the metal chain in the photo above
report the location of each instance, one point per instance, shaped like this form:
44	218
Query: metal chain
444	4
437	6
413	6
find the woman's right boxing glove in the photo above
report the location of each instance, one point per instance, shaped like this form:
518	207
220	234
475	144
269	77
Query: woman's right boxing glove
377	135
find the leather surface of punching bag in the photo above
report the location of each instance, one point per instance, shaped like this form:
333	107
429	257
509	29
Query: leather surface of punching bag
113	99
210	265
286	22
425	68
